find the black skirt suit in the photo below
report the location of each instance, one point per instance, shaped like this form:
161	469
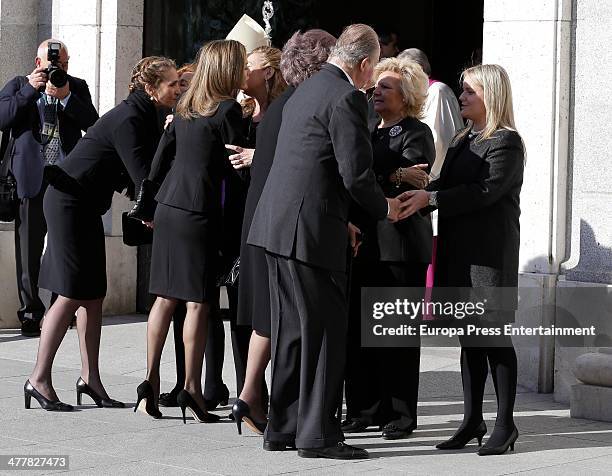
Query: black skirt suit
382	383
115	154
253	286
184	262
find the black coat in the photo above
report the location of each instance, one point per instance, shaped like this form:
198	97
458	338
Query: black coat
19	113
408	143
197	145
478	211
114	154
323	159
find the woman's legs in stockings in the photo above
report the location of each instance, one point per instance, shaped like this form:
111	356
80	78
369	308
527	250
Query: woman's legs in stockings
195	330
258	359
157	331
504	372
89	328
474	372
54	329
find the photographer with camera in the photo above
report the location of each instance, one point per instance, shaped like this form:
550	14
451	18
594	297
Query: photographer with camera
44	113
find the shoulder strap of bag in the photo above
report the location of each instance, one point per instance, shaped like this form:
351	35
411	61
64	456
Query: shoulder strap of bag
5	163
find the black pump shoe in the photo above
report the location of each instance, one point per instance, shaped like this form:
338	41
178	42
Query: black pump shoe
83	388
221	399
169	399
501	449
185	400
146	400
242	412
463	437
50	405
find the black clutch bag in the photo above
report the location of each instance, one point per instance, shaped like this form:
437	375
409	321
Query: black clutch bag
135	233
144	208
8	186
230	277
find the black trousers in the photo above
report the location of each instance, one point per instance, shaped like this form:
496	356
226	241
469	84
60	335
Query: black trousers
309	324
382	384
30	230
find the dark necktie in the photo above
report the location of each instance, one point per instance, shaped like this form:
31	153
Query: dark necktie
50	131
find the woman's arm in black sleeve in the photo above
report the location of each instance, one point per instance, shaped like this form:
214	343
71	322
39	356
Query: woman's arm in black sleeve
130	141
164	156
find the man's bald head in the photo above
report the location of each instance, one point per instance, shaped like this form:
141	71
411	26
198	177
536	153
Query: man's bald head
41	54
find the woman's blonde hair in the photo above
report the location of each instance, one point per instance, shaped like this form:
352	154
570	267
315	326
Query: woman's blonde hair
413	83
218	76
149	70
497	95
270	57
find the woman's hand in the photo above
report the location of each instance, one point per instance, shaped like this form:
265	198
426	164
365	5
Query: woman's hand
415	175
169	119
242	158
149	224
355	238
413	201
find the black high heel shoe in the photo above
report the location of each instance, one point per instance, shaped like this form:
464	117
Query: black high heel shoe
242	412
463	437
146	400
221	399
50	405
185	400
83	388
501	449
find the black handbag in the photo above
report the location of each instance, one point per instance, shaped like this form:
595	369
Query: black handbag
230	277
135	233
8	186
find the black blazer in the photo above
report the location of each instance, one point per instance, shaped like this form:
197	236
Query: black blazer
478	211
19	113
323	159
411	239
194	180
114	154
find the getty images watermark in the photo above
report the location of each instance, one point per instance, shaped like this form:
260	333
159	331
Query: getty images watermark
400	317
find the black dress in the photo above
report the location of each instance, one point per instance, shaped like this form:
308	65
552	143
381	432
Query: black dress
186	237
115	153
253	286
382	383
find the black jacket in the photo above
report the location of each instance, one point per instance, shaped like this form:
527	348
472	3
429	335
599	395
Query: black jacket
323	159
115	154
408	143
19	113
200	159
479	210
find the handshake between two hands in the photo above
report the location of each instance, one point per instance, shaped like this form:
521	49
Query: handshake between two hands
406	204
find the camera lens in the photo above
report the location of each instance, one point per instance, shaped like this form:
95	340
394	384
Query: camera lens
57	76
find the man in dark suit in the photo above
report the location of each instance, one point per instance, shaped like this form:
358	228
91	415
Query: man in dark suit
46	123
323	160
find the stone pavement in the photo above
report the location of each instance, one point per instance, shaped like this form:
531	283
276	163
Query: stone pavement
117	441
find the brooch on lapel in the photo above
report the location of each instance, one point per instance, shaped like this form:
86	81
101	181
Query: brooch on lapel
395	131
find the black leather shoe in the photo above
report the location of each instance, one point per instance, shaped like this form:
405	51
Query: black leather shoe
392	431
463	436
169	399
50	405
241	412
278	445
83	388
222	398
338	451
487	450
353	426
30	328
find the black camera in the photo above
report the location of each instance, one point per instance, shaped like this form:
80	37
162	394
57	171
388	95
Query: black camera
57	76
